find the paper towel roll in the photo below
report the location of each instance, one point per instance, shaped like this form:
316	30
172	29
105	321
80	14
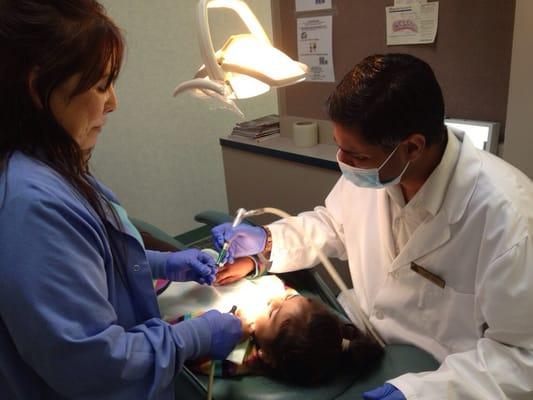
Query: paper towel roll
305	133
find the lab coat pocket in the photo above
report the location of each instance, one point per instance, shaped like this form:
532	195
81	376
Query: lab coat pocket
448	316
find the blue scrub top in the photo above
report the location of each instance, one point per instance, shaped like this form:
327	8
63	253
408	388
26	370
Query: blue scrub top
70	326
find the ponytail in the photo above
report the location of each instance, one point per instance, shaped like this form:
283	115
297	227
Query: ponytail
309	349
359	350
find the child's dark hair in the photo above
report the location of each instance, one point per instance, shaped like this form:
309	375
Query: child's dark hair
311	353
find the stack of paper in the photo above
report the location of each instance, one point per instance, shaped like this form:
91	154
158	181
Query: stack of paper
258	129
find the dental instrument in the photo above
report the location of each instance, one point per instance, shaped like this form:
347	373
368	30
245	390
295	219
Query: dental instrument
238	219
212	369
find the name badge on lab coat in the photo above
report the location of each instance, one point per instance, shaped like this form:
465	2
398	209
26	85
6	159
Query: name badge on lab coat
430	276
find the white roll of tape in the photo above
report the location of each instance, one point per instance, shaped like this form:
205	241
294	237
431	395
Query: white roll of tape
305	133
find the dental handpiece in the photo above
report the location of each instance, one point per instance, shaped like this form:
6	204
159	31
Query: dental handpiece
225	247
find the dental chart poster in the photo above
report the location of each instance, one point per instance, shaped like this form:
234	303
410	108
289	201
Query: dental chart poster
310	5
412	22
315	47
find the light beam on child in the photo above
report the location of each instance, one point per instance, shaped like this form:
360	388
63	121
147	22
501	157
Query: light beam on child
327	264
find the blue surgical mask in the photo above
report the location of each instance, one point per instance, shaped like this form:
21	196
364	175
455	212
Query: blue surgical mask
369	178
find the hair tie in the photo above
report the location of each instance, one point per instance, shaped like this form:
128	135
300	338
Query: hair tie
349	331
345	344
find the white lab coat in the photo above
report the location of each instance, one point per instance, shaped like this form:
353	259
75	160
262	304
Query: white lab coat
480	326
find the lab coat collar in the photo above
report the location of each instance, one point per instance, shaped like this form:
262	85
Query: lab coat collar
435	232
432	194
430	197
385	222
427	238
464	178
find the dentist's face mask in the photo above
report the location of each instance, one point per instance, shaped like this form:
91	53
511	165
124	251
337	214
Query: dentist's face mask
369	178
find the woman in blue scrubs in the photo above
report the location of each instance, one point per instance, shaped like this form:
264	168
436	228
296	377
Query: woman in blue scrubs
78	314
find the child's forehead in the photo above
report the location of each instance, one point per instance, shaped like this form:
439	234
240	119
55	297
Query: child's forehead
295	307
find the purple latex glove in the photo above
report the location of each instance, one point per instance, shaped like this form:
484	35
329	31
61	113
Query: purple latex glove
226	331
385	392
190	265
245	240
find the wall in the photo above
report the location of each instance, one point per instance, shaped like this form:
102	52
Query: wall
471	55
519	137
160	154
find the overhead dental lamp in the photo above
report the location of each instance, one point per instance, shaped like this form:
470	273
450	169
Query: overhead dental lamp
247	65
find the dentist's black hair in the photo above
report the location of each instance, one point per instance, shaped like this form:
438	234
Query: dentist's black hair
388	97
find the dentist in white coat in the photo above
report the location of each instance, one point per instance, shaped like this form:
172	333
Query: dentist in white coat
437	233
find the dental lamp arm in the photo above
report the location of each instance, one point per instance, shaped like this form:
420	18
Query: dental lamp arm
215	89
201	84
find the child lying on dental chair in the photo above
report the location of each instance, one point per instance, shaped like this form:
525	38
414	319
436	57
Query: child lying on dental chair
294	338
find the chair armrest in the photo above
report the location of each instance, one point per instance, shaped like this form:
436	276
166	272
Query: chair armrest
213	218
158	234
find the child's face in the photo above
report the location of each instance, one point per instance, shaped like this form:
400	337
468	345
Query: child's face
267	326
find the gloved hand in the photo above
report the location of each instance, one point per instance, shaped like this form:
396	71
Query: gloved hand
385	392
226	331
244	239
190	265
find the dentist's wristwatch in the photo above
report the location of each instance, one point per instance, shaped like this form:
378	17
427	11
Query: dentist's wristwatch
268	242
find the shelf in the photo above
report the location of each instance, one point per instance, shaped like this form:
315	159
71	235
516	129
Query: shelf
321	155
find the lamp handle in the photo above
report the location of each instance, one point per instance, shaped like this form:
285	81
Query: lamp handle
207	50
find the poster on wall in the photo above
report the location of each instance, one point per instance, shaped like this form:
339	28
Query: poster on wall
408	2
315	47
310	5
414	23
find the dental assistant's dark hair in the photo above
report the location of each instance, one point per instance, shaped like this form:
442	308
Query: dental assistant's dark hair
388	97
308	349
43	43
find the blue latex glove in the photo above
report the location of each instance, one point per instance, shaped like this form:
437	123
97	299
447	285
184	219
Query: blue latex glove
190	265
245	240
385	392
226	331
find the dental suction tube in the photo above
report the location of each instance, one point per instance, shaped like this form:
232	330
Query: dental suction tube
241	214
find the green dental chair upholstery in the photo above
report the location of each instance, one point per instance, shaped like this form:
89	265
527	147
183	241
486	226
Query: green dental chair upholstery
397	360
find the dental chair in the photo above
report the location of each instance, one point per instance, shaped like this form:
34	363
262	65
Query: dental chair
397	359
